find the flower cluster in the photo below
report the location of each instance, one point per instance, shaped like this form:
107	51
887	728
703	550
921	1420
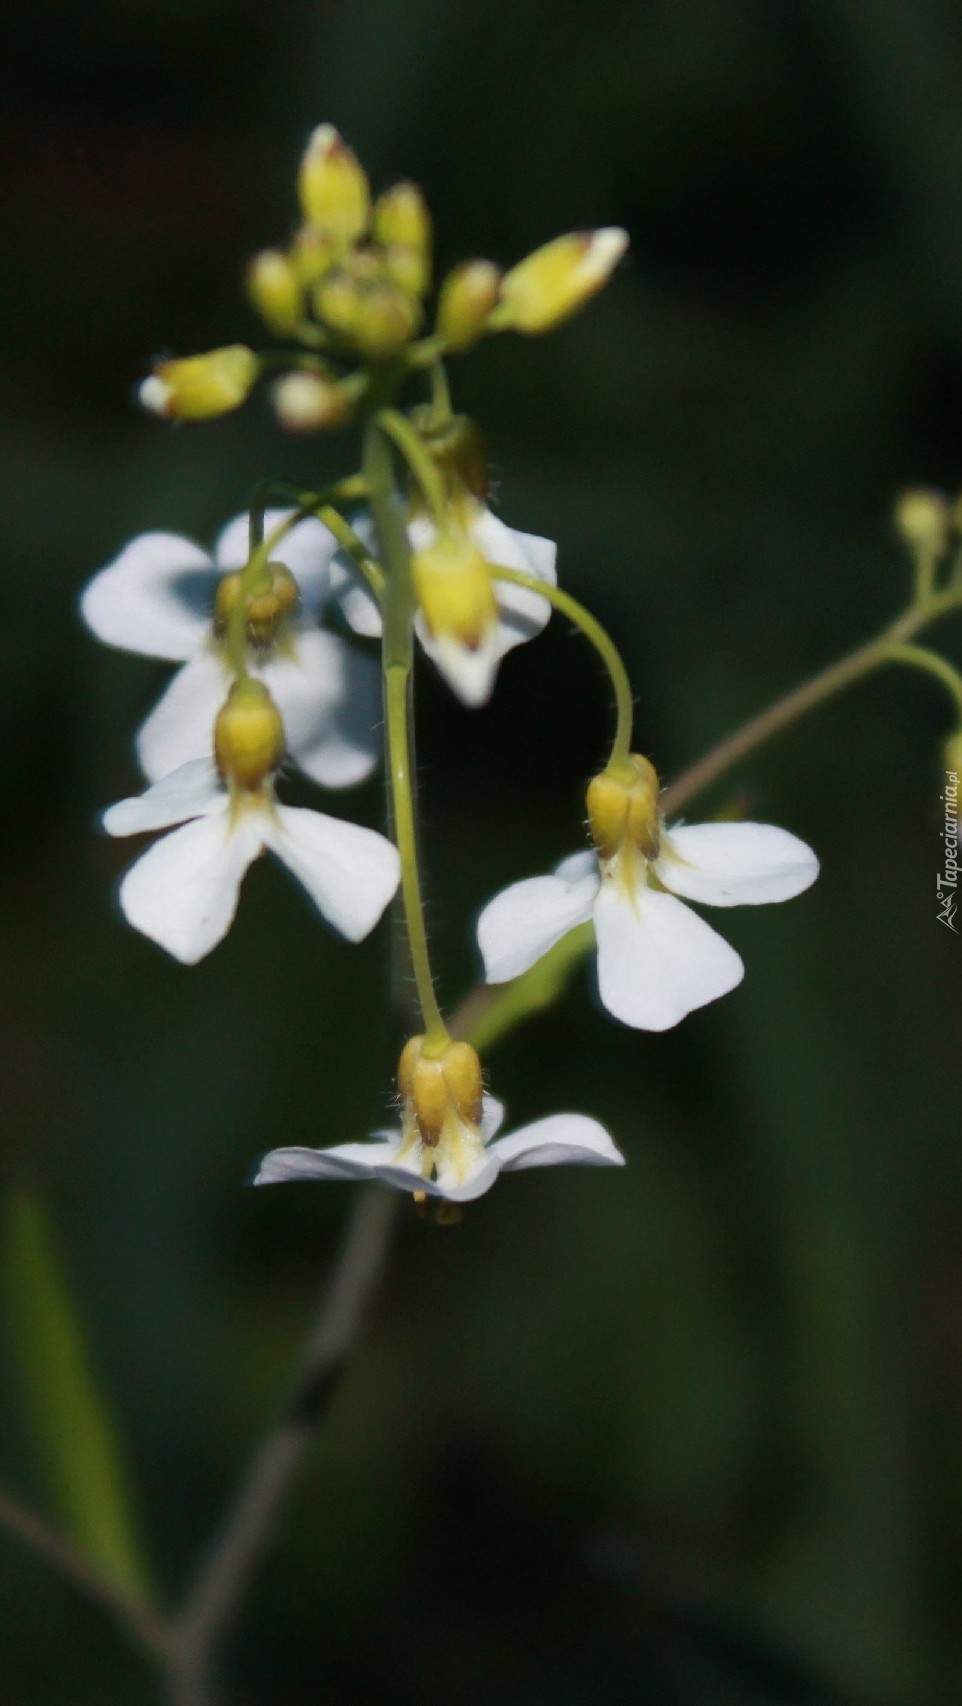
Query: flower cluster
267	677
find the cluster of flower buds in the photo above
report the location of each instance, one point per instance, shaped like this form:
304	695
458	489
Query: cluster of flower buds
265	676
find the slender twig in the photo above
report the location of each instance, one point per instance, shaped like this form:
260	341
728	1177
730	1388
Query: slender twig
218	1589
147	1627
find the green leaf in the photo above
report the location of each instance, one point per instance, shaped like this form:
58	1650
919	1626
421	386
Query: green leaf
76	1442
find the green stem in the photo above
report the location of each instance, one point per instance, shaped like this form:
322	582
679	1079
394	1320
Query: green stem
919	657
598	637
398	658
440	396
321	504
405	438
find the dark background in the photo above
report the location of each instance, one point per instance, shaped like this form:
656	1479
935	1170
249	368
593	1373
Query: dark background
687	1435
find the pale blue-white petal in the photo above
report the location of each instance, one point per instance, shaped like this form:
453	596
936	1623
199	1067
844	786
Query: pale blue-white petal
350	873
522	922
657	960
181	725
193	790
183	891
735	864
329	696
559	1140
154	598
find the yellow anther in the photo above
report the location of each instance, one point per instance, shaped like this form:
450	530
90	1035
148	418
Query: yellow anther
305	401
623	807
455	590
333	187
199	386
248	735
558	279
276	291
922	520
267	602
466	299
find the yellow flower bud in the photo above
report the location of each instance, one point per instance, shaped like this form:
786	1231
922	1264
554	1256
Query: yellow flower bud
338	301
458	452
439	1088
199	386
407	268
248	735
386	320
273	596
623	808
276	292
401	218
312	255
455	590
922	520
305	401
558	279
467	296
333	186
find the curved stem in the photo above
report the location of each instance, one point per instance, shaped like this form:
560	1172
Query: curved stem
398	657
399	429
599	637
134	1614
440	395
919	657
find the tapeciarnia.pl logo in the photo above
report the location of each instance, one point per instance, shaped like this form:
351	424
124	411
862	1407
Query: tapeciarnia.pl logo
947	883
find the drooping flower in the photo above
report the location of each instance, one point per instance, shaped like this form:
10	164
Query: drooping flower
657	959
183	891
164	597
467	620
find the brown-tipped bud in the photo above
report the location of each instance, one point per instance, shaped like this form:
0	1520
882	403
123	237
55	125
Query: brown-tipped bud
275	291
457	448
387	319
556	280
305	401
455	591
436	1086
922	520
466	300
198	387
273	597
623	808
248	735
333	187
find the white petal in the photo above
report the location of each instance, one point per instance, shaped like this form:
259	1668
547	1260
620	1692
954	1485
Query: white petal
329	697
492	1116
657	960
307	551
470	671
183	892
181	725
350	873
524	921
155	598
577	866
348	586
344	1161
523	613
555	1141
192	791
735	864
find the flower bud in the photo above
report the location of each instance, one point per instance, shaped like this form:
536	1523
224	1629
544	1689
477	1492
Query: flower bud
248	735
437	1088
386	320
455	591
401	217
333	186
467	296
312	255
623	808
267	602
275	290
406	268
558	279
458	452
922	520
305	401
338	300
199	386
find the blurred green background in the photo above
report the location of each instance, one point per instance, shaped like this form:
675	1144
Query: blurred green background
684	1436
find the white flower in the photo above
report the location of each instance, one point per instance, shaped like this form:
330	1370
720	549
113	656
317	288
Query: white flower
182	893
465	1165
469	670
157	598
657	960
